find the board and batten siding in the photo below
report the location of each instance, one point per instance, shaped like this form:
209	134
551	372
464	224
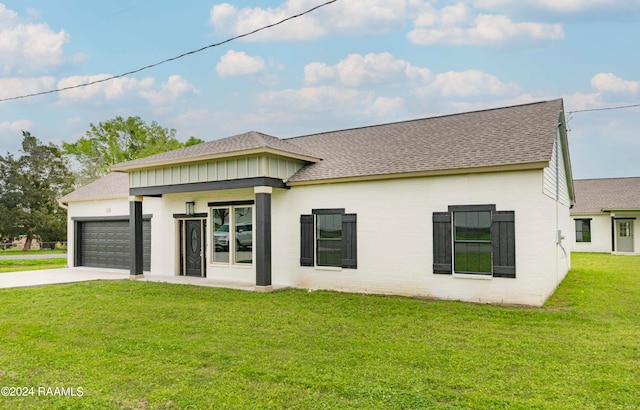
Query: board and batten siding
216	170
555	176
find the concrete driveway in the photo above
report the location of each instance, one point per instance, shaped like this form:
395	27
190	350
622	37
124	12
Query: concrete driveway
70	275
51	276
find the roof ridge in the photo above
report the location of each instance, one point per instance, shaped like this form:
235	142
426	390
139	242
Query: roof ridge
424	118
605	179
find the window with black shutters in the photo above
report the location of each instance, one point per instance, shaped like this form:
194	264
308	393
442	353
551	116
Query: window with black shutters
475	240
328	237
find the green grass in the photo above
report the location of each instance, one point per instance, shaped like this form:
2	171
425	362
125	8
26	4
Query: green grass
15	265
149	345
19	251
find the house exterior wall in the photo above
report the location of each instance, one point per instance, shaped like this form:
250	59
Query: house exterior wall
394	235
164	245
395	250
600	233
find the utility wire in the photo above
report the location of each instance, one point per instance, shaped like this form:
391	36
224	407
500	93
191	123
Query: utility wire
168	59
620	107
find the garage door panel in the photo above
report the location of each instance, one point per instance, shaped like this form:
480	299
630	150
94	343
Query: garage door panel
107	244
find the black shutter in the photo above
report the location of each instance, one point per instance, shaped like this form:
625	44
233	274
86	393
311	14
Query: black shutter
306	240
442	242
349	241
503	239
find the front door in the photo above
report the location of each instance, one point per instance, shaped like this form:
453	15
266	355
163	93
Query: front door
192	248
625	236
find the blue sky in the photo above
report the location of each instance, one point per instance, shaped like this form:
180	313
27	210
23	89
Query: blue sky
348	64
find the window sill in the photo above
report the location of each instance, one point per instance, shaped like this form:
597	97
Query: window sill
473	276
229	265
329	268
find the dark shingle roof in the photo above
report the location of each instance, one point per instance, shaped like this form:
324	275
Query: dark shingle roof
503	136
113	185
237	143
595	195
517	135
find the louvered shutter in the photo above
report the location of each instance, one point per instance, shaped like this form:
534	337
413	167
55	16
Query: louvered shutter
442	242
306	240
349	241
503	240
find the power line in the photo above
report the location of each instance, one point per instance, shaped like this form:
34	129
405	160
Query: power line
168	59
619	107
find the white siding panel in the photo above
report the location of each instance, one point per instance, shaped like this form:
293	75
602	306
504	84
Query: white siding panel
555	174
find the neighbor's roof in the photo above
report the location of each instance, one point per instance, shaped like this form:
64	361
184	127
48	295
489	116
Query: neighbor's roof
235	145
516	135
111	186
615	194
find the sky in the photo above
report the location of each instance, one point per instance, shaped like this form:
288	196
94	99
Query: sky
348	64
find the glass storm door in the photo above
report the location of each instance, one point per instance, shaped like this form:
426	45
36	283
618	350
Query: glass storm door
625	236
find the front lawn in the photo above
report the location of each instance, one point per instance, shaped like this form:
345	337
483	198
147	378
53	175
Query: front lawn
149	345
15	265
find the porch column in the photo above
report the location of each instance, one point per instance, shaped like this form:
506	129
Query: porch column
135	233
263	238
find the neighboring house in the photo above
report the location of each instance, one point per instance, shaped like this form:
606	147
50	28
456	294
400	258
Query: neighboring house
469	207
605	215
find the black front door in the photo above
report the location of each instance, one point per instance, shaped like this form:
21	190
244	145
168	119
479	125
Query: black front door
193	244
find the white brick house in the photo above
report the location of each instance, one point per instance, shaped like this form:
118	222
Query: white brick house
471	206
605	216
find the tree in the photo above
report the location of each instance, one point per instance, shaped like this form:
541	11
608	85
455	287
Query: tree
29	188
119	140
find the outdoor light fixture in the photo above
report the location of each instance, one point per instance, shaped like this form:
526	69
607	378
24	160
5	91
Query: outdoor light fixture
190	207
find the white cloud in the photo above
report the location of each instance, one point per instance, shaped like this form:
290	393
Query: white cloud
357	70
373	16
227	18
564	6
457	25
470	82
385	106
609	82
174	88
454	24
16	126
108	90
15	86
238	63
310	98
29	47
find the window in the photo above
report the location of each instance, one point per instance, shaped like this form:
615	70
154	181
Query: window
625	229
232	245
474	239
472	242
328	238
583	230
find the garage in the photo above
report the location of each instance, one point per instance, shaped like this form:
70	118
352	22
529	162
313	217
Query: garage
107	243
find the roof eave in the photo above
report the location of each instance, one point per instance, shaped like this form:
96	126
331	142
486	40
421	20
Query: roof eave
175	161
91	199
428	173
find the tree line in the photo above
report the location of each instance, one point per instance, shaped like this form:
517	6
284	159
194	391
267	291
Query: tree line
32	182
